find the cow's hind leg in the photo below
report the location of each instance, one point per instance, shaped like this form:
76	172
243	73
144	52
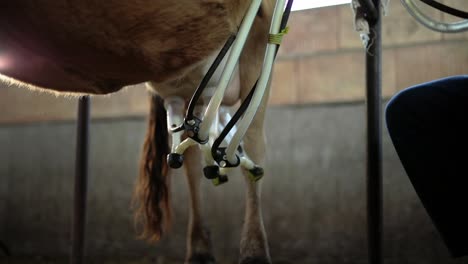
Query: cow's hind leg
254	243
199	249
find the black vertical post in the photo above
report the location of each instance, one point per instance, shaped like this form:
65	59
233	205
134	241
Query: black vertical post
81	182
374	139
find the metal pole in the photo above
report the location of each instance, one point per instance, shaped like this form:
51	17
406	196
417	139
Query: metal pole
81	182
374	139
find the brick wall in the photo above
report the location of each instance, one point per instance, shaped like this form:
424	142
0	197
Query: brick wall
321	60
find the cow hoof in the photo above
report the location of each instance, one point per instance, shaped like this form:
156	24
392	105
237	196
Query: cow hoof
255	260
205	258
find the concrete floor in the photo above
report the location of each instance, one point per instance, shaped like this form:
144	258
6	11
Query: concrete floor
160	260
42	260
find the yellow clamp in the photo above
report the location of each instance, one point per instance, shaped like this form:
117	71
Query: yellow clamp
216	181
277	38
222	179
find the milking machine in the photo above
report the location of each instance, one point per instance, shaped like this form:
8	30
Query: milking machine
219	139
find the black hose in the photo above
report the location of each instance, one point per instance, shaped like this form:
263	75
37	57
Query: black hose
239	113
208	75
447	9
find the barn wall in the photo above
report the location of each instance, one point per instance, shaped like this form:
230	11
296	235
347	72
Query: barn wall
314	193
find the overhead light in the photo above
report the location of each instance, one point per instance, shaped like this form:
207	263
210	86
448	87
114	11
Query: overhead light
307	4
